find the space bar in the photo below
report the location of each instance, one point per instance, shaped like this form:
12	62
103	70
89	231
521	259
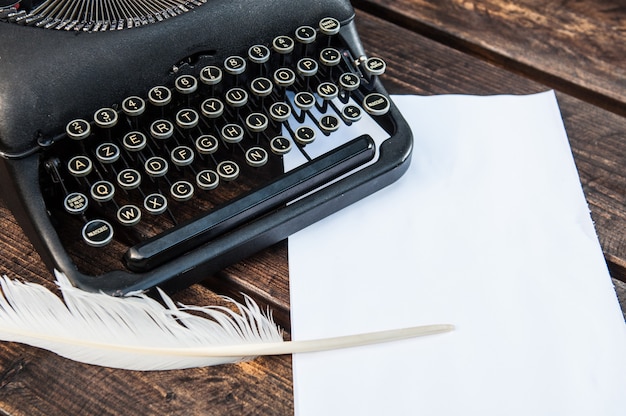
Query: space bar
184	237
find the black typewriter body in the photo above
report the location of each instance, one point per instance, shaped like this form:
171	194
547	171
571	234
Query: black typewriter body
171	149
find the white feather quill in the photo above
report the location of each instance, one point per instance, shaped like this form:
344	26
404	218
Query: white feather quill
136	332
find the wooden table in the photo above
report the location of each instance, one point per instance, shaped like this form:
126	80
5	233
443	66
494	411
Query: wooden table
432	47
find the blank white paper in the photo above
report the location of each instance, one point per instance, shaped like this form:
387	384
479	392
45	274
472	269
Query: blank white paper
489	230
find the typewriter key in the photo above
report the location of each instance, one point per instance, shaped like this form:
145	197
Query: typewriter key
207	180
259	54
133	106
134	141
212	108
186	84
187	118
280	111
107	152
329	26
102	191
376	104
375	66
128	215
280	145
155	204
207	144
156	166
228	170
97	233
181	191
232	133
78	129
80	166
105	118
306	34
76	203
182	156
162	129
283	44
129	179
305	135
256	157
211	75
351	113
159	96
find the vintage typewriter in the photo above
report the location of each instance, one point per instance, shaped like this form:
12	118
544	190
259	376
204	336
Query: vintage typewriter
151	143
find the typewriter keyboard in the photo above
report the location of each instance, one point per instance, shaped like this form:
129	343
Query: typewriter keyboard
153	176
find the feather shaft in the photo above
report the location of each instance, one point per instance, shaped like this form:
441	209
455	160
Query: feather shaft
138	333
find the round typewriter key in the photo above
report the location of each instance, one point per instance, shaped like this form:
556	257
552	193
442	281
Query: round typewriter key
128	215
78	129
236	97
327	90
305	135
211	75
259	54
155	204
330	57
235	65
307	67
283	44
134	141
102	191
376	104
284	77
349	81
306	34
280	145
351	113
187	118
129	179
159	96
261	87
207	180
207	144
76	203
105	118
182	156
181	191
329	26
256	156
280	112
329	123
304	100
107	153
162	129
232	133
228	170
212	108
156	166
80	166
97	233
375	66
186	84
133	106
257	122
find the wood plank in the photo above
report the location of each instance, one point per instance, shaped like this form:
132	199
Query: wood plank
34	382
578	47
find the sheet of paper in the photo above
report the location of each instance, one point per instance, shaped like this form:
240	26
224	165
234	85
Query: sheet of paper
488	230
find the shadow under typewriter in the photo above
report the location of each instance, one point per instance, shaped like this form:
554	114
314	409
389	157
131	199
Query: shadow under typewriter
229	151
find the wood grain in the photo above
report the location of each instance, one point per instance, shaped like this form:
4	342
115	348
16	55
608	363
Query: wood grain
35	382
577	47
